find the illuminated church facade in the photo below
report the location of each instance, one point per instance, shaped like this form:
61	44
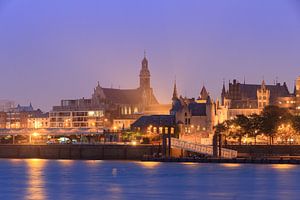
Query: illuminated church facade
109	107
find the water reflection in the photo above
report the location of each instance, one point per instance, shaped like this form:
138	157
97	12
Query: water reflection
149	165
65	163
231	165
93	162
36	183
283	167
190	164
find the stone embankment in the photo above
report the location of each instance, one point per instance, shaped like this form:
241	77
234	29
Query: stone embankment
95	152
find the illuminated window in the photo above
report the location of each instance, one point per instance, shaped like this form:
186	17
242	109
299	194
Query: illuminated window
172	130
166	130
160	129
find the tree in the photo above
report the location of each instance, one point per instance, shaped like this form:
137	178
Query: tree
255	126
296	123
239	127
272	117
221	129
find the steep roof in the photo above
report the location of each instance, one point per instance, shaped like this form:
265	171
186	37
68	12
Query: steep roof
126	96
197	109
155	120
250	91
203	93
131	96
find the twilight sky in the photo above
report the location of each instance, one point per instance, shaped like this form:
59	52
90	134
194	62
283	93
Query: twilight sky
59	49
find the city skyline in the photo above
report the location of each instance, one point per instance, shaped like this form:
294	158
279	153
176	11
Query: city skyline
59	50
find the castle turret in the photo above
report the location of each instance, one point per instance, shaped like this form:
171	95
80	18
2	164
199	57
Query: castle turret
210	113
203	94
223	94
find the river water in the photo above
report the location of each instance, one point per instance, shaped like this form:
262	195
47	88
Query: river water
67	179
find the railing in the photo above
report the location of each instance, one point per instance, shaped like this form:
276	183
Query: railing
203	149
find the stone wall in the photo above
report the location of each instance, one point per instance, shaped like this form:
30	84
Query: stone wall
265	150
97	152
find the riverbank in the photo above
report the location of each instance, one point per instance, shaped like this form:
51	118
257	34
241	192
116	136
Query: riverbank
270	160
88	152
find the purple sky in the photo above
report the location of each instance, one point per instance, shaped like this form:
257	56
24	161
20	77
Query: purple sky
59	49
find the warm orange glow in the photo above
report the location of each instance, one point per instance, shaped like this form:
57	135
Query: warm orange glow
35	134
149	165
65	162
36	185
191	164
282	166
231	165
93	162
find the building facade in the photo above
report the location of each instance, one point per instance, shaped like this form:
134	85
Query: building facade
108	108
195	118
247	99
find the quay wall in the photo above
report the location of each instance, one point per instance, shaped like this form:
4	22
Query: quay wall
93	152
265	150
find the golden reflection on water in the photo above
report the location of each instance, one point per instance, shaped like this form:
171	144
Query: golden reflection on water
231	165
190	164
36	183
93	162
282	167
149	165
66	163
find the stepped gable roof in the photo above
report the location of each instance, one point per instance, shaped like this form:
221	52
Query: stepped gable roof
250	91
154	120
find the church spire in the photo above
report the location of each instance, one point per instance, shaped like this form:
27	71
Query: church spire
145	74
175	94
223	88
223	94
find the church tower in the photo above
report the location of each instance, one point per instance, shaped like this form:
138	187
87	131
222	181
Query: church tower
145	75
